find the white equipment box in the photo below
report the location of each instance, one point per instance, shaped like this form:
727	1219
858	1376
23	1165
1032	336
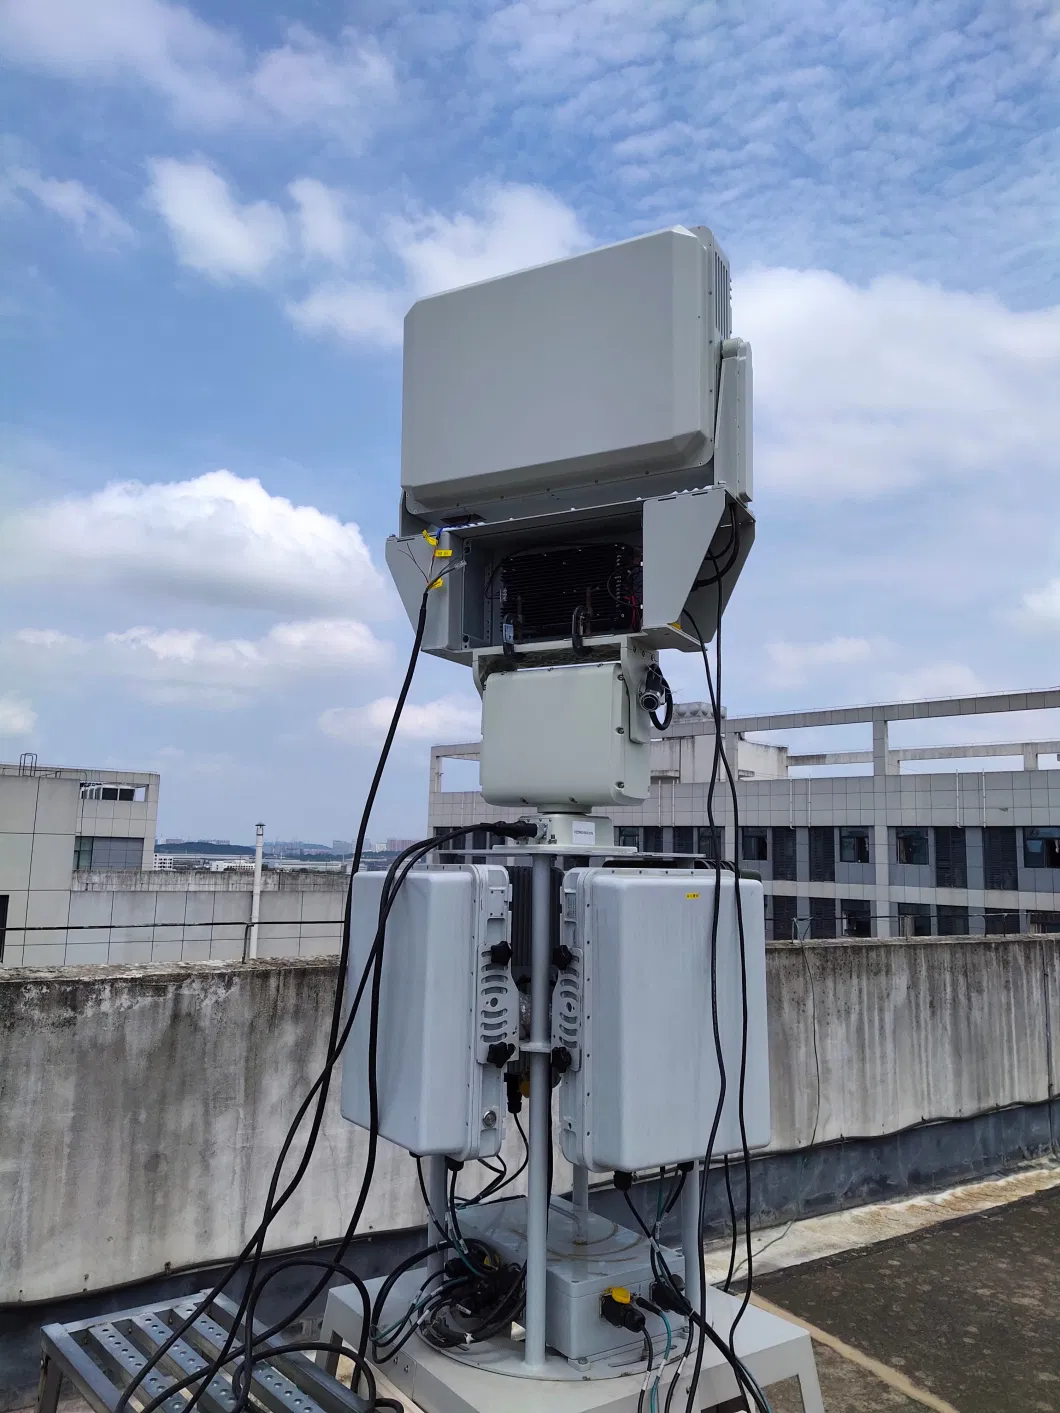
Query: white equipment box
583	1264
561	736
634	1011
444	1002
586	372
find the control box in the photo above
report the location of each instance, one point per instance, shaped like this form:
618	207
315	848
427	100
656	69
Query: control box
583	1264
561	736
633	1010
448	1010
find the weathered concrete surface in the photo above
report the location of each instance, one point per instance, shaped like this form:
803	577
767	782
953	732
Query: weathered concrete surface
141	1108
908	1031
969	1310
141	1112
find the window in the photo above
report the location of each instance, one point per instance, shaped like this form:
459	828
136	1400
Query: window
999	857
4	897
99	851
784	853
705	840
1001	922
784	913
684	839
1041	848
951	860
857	917
854	846
1038	922
753	845
627	836
822	918
911	847
93	790
653	839
914	919
953	922
822	854
480	839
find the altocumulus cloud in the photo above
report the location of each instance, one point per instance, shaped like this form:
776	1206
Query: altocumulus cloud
186	666
866	390
448	718
218	539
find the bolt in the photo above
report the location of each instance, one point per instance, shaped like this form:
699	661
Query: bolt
489	1118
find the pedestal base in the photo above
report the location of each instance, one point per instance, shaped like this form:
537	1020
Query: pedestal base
498	1381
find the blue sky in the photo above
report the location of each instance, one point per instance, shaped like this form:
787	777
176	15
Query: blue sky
213	217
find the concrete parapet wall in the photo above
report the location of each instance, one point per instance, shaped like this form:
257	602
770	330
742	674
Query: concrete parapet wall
118	917
141	1108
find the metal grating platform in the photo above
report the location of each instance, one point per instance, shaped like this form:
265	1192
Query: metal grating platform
101	1356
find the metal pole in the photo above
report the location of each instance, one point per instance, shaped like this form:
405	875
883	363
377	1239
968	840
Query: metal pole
255	902
690	1234
436	1191
540	1100
580	1202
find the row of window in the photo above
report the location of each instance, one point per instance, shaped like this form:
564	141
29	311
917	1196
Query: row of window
820	919
93	790
98	851
912	847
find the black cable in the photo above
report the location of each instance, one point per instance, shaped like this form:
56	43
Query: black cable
391	887
273	1205
721	757
405	861
733	1223
718	1047
648	1354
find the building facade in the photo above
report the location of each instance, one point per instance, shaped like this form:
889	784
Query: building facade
57	824
944	851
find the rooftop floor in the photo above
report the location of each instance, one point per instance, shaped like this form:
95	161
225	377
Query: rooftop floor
968	1311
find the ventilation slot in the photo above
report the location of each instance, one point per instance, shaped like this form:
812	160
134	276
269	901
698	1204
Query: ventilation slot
495	1009
567	1010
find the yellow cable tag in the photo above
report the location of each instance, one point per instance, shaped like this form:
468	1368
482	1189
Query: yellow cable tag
435	584
431	539
691	895
443	554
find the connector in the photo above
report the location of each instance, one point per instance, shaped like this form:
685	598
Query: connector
515	829
664	1294
617	1308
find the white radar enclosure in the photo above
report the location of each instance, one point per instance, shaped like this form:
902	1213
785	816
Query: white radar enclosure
576	466
633	1009
444	1003
566	381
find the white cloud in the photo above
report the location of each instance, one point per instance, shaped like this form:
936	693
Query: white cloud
185	665
506	228
792	664
95	220
217	539
1041	607
877	389
325	230
203	72
338	86
361	313
443	720
936	679
17	717
211	231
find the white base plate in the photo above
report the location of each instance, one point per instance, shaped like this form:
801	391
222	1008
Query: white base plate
771	1348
